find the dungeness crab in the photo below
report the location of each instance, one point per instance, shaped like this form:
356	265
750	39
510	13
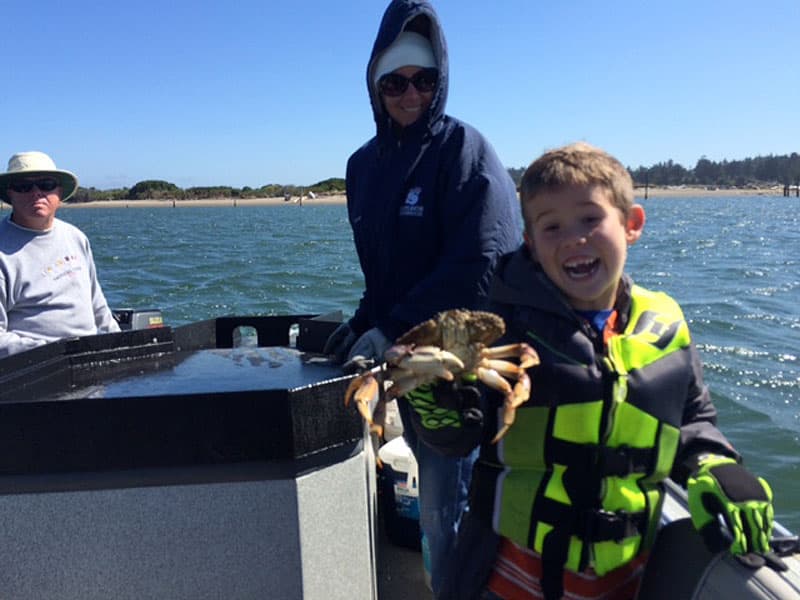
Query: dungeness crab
455	343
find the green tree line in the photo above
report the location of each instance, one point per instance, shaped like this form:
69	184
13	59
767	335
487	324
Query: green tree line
760	171
155	189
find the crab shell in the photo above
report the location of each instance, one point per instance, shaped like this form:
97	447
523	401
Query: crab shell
462	332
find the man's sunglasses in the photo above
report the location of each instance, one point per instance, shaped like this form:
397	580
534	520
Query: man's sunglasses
394	84
23	186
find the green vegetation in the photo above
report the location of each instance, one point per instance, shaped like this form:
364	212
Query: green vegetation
154	189
761	171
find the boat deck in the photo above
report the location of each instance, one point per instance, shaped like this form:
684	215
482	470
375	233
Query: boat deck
399	571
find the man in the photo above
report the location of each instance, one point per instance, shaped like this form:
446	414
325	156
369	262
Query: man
48	282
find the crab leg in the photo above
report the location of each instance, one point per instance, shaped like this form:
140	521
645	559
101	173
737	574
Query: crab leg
503	367
520	394
408	382
527	355
494	380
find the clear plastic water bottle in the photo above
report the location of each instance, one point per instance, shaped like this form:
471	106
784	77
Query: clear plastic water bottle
426	561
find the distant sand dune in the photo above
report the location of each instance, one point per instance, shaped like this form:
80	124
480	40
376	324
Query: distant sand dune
340	199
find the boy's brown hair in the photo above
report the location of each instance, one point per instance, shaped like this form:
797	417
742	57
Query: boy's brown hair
577	164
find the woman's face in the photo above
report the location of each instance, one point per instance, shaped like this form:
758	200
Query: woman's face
409	106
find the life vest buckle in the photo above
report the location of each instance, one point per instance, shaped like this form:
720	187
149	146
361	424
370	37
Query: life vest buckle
603	525
623	460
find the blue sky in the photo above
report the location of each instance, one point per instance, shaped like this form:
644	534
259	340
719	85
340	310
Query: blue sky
250	92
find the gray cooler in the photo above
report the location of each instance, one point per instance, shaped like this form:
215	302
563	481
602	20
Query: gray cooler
167	463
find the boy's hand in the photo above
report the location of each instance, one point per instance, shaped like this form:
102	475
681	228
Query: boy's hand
447	415
722	488
445	404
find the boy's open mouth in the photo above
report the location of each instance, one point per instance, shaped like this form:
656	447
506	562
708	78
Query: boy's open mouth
581	268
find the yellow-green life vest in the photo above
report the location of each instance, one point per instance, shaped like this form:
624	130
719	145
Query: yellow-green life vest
583	476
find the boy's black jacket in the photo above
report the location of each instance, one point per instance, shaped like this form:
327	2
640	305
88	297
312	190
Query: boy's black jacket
535	312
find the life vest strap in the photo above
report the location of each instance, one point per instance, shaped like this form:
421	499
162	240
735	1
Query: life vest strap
624	460
603	461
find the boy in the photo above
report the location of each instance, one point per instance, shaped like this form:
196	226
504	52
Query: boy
568	501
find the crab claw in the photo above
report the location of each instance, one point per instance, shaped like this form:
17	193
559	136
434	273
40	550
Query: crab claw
430	361
364	389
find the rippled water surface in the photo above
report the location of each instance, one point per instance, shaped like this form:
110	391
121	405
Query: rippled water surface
732	263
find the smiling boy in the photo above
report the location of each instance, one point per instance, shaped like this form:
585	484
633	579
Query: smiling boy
569	500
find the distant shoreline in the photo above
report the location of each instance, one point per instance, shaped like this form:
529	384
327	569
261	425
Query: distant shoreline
295	201
334	199
691	192
341	199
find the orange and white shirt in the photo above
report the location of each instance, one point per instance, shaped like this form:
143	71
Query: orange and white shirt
517	575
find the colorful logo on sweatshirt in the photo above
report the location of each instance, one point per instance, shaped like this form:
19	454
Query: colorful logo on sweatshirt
412	206
66	266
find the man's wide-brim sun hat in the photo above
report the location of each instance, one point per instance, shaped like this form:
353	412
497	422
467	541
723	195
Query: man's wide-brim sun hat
31	164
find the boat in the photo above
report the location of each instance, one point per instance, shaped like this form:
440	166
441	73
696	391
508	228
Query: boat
680	565
217	459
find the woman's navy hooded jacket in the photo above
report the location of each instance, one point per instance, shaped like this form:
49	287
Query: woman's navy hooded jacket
431	206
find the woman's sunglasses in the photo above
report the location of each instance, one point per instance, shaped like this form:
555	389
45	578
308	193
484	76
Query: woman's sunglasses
23	186
394	84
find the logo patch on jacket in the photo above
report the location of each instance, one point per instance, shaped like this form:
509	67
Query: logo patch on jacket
412	207
655	329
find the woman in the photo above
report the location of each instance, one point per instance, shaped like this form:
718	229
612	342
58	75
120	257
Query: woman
432	208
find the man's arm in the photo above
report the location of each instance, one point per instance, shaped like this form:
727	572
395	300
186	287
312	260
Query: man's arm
11	342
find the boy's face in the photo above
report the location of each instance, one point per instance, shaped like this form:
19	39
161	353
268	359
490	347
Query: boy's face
580	238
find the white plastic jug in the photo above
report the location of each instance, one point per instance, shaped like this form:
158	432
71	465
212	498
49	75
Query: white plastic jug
397	455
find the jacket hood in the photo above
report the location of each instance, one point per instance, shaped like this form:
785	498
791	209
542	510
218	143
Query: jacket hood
519	280
412	15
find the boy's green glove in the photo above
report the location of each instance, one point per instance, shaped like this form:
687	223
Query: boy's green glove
442	405
722	487
447	416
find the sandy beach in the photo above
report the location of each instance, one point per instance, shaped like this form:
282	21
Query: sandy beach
278	201
686	192
340	199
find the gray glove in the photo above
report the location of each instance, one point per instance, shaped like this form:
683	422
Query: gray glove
371	345
339	342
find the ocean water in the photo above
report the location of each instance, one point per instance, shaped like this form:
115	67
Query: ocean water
732	263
